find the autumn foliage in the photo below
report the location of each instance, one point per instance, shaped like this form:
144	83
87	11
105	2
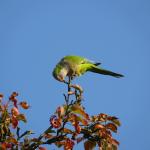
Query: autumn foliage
68	126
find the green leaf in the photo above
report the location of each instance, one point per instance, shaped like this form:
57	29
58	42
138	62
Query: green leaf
49	130
116	122
21	117
76	108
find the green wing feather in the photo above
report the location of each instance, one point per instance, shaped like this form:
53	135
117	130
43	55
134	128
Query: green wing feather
75	60
104	72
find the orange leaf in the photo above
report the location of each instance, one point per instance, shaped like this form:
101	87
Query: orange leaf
89	145
60	111
76	108
72	118
114	142
103	133
114	120
75	122
24	105
77	127
111	126
12	140
68	144
84	122
99	126
5	146
102	117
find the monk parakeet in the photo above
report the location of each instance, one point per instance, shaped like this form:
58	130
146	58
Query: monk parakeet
73	66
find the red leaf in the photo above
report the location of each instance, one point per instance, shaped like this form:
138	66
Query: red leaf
5	146
13	98
55	122
42	148
14	122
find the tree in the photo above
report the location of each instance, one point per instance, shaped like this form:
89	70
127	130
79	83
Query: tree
69	125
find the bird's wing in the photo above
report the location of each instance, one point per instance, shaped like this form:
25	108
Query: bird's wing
79	60
73	59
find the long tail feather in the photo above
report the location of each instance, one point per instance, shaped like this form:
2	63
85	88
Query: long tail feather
105	72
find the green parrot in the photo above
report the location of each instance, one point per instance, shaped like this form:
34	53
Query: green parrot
73	66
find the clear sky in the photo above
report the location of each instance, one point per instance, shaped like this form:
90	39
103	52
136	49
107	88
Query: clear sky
35	34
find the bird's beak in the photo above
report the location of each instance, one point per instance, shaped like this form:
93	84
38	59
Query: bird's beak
60	78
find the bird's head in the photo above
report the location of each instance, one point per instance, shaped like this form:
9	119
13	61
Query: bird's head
60	73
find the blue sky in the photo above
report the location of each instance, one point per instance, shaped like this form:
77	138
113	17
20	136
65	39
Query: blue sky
34	35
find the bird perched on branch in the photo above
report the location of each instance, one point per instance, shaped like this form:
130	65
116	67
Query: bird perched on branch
73	66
